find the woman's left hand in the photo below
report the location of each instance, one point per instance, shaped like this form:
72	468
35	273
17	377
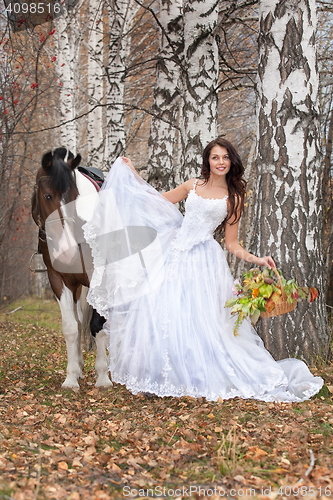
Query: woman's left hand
266	261
128	162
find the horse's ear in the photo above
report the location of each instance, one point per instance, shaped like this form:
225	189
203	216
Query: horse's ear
75	162
47	160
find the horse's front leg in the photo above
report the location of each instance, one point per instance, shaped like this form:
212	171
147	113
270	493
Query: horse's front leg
79	318
71	333
101	363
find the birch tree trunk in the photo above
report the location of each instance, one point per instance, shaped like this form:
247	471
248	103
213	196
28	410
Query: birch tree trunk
163	132
246	229
328	206
200	76
95	85
121	14
66	68
288	211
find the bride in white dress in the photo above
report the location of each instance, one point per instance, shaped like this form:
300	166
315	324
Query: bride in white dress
162	281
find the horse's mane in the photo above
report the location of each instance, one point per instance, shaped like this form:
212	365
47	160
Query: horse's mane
60	174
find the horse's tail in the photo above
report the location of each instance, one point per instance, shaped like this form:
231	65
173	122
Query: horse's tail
87	338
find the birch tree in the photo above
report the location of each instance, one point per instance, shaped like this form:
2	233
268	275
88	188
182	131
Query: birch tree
165	110
120	14
199	84
288	211
66	68
325	62
95	84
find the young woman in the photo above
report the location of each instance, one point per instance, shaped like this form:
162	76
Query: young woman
162	281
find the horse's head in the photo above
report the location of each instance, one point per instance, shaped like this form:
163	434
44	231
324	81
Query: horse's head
55	186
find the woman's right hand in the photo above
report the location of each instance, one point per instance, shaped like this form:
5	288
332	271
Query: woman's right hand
128	162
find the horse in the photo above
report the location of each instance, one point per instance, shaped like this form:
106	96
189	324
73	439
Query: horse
62	200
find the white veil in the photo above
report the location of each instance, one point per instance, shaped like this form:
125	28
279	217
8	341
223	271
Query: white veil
128	232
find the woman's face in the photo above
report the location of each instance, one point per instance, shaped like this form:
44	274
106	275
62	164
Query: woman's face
219	161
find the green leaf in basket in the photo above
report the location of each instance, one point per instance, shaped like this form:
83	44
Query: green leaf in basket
231	302
255	316
236	308
266	291
261	306
246	309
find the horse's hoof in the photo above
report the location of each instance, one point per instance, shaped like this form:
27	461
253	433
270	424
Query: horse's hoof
104	384
70	389
148	395
74	386
104	388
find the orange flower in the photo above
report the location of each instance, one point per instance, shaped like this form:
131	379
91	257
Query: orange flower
255	292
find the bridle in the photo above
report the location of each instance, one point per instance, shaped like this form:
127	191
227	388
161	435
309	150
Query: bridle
38	221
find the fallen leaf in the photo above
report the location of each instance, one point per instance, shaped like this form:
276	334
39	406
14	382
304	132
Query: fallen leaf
76	462
74	496
115	467
255	452
91	450
103	458
132	462
63	465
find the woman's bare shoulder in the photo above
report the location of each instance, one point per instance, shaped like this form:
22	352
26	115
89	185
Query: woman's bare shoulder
189	184
180	192
201	182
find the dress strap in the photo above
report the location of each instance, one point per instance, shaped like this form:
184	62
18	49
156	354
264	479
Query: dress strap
195	184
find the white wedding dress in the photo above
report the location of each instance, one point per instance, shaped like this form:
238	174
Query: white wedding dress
162	281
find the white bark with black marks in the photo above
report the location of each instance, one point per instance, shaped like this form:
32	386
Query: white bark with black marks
200	76
163	132
121	14
95	85
288	210
66	68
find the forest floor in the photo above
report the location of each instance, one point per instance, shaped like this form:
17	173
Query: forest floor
97	445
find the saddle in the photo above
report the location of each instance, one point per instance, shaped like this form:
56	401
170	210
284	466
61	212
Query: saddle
94	174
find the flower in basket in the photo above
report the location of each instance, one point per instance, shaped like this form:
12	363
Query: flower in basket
266	293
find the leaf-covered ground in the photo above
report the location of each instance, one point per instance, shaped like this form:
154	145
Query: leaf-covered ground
96	445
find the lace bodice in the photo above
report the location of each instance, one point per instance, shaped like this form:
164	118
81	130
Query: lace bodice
202	217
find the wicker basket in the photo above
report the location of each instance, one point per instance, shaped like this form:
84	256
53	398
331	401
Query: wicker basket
284	307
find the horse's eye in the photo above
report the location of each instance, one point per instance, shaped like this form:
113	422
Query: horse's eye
47	196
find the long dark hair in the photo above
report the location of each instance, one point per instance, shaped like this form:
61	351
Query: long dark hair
236	183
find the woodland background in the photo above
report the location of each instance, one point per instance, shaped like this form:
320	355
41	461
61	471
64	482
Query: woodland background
156	80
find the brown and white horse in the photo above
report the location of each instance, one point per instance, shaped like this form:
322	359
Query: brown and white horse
62	201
